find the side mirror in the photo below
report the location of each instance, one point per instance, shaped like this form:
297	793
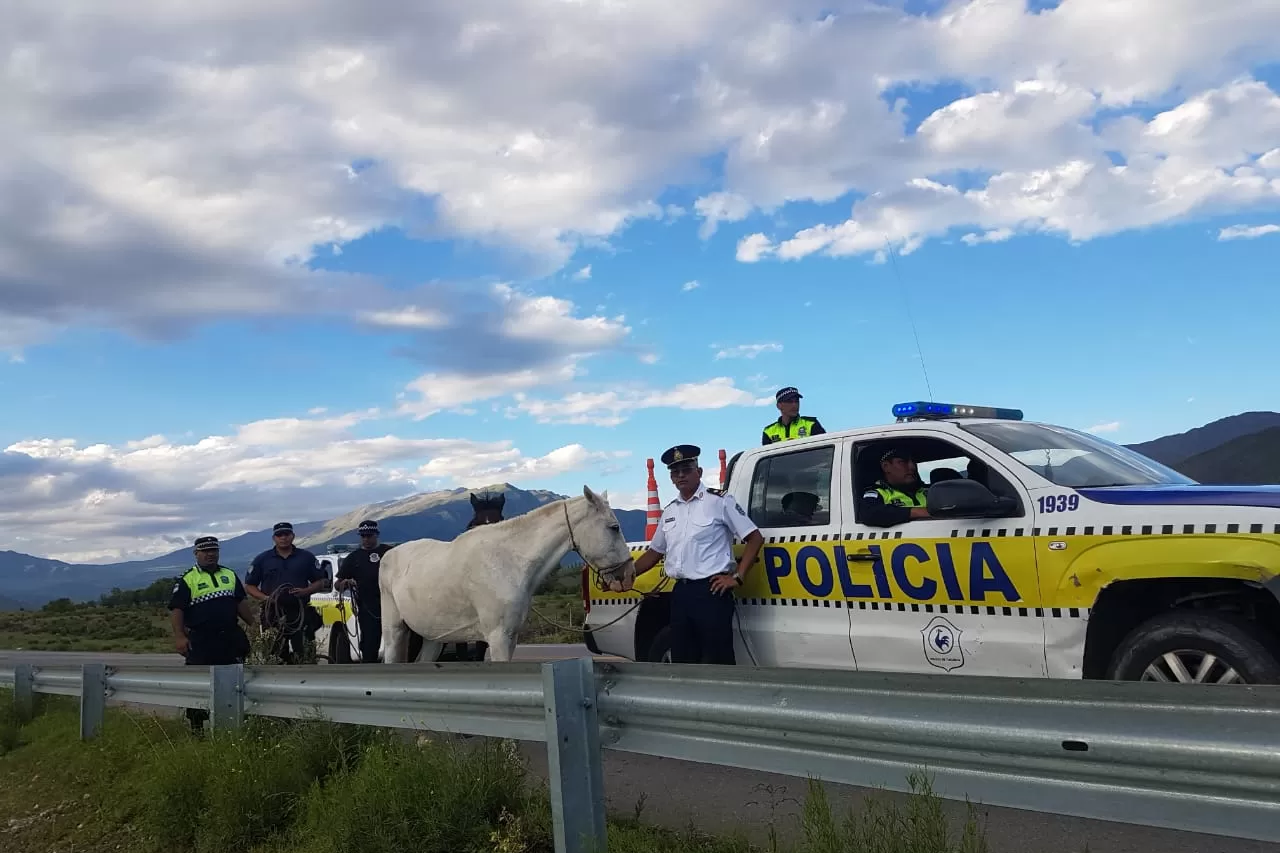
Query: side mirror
966	499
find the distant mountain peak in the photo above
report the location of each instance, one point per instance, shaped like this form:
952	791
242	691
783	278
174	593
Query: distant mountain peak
1172	450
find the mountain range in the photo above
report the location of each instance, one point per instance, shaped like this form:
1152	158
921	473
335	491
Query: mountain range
30	581
1242	449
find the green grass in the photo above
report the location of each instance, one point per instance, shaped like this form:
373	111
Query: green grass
148	785
88	628
145	628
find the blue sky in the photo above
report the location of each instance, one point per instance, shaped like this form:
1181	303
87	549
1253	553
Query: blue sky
335	286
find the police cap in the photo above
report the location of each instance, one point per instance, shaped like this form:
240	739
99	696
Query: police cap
787	393
681	454
281	527
897	453
367	526
206	543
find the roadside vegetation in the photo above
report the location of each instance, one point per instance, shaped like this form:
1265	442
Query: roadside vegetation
136	621
147	785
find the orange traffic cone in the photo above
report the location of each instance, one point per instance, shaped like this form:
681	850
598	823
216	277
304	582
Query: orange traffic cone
653	513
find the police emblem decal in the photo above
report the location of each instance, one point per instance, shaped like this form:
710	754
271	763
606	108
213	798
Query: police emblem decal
942	644
373	558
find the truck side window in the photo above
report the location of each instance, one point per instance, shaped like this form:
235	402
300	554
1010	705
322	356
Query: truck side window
793	489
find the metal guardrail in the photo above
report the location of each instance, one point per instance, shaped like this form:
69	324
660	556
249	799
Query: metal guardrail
1200	758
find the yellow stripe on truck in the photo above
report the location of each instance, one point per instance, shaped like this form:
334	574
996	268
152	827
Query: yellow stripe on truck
995	569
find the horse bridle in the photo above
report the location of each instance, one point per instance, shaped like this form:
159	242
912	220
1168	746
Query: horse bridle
573	545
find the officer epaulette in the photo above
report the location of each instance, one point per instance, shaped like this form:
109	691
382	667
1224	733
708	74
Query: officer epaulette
717	492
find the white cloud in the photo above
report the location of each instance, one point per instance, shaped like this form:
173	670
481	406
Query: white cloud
747	350
690	285
720	207
1109	426
753	247
1191	160
583	274
1247	232
161	169
998	235
105	502
406	317
610	408
437	392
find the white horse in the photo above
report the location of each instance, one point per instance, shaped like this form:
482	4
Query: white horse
480	585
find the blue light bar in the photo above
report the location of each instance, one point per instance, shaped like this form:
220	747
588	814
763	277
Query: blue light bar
924	410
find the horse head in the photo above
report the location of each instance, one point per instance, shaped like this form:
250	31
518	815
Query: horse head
597	535
487	509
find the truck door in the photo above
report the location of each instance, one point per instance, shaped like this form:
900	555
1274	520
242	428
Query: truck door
790	612
943	595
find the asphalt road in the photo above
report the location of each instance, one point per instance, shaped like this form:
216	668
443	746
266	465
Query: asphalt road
722	799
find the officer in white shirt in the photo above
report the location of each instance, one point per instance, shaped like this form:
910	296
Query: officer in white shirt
695	536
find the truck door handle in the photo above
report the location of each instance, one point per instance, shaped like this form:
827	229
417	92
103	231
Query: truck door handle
862	557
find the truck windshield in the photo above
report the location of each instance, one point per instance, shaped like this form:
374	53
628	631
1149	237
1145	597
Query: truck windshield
1074	459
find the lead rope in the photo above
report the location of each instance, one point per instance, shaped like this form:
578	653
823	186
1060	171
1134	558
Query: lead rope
599	576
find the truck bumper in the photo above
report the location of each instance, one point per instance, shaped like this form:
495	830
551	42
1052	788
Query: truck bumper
590	640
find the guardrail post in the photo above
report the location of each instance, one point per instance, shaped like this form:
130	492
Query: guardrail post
573	756
24	698
226	698
93	699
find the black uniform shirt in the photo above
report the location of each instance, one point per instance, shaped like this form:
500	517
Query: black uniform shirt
270	571
216	613
361	566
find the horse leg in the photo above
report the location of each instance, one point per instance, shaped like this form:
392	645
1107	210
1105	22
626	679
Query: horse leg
394	631
427	652
502	644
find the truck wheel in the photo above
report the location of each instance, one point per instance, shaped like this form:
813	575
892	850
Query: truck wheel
339	644
660	648
1195	647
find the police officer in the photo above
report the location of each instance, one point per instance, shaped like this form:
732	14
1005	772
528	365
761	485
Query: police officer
898	496
359	571
695	536
204	606
790	424
283	578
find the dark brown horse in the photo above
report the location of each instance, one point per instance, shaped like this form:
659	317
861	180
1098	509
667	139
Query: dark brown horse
486	509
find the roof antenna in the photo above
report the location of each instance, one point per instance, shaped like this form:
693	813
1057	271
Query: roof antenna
907	301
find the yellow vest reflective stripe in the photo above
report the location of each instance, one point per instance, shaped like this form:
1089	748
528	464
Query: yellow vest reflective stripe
894	497
799	428
205	585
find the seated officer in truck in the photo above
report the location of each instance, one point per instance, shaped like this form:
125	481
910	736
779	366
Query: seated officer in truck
898	496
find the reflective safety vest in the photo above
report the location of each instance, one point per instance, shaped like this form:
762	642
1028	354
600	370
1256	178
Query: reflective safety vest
801	427
207	585
896	497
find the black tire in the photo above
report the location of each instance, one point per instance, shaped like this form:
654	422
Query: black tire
660	648
1234	642
339	644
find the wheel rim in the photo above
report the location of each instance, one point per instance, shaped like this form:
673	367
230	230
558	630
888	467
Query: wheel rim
1189	666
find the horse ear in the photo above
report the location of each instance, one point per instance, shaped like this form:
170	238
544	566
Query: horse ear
592	497
475	503
502	500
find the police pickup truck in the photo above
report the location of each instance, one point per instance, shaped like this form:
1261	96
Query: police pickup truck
1048	552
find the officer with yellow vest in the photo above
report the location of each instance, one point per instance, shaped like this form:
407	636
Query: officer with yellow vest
790	424
204	607
898	496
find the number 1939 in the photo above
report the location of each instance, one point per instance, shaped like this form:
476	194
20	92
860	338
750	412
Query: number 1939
1059	503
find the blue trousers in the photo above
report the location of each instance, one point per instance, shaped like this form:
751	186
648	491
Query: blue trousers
701	623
